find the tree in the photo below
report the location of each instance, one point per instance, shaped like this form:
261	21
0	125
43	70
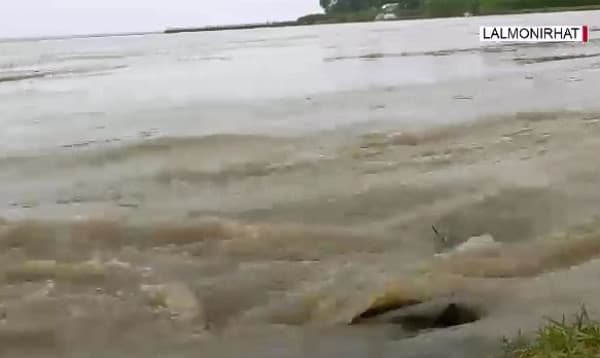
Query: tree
325	4
336	6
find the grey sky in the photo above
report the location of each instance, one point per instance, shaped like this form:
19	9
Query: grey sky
60	17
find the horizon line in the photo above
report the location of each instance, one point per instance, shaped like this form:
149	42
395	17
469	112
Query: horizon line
78	36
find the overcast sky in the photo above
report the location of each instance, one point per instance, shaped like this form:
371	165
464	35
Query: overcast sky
24	18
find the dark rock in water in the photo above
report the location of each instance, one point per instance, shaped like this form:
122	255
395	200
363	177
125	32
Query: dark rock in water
439	313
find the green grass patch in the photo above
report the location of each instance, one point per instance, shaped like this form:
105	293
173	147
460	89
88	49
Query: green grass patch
578	338
446	8
500	5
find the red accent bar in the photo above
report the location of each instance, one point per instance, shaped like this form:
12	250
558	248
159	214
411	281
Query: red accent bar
585	33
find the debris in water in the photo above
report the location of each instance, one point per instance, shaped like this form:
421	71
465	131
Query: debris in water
462	97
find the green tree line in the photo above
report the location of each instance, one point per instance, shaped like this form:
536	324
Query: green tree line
337	11
450	7
334	6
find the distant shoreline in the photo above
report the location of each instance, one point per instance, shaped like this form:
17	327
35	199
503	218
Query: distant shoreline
72	37
176	30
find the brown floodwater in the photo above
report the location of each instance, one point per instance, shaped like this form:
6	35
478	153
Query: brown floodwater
335	191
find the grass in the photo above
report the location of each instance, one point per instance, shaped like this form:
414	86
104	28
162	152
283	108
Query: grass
500	5
579	338
445	8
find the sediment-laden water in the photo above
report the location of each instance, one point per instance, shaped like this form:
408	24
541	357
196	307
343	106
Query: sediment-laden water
274	193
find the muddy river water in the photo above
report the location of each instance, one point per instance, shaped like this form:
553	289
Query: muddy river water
273	193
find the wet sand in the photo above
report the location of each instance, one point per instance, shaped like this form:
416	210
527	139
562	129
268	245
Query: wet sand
316	242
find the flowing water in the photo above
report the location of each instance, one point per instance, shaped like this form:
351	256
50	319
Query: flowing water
252	193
